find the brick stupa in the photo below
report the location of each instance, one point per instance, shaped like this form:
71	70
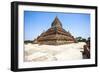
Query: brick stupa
55	35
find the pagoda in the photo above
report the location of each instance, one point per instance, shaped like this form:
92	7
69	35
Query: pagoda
55	35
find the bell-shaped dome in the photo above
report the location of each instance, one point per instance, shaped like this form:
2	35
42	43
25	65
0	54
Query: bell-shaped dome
56	23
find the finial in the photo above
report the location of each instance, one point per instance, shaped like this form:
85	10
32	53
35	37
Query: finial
56	17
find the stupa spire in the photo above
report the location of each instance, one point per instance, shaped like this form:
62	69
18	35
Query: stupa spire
56	23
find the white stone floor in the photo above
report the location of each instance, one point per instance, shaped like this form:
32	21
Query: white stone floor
35	52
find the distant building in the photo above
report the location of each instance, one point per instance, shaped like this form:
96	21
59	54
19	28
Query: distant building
55	35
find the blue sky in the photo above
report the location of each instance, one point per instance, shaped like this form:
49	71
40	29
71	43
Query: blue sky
35	23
